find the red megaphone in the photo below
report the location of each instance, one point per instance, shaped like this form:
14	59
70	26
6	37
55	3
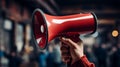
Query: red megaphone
47	27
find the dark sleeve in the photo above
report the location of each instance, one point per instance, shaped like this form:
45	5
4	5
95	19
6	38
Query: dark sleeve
83	62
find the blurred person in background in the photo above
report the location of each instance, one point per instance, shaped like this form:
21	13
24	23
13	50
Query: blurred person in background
33	60
115	57
54	57
1	55
43	58
50	57
76	53
90	55
57	55
101	54
14	59
1	51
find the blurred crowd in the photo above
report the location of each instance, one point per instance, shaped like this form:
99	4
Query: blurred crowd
103	55
16	49
50	57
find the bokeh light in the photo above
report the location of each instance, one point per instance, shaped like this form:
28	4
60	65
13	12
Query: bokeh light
115	33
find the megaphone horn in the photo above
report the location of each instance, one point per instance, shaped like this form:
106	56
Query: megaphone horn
47	27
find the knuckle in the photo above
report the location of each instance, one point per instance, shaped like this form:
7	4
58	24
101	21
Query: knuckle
69	40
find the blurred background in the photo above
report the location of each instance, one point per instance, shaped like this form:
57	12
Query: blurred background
17	48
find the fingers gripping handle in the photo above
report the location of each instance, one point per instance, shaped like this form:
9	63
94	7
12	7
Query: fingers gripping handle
65	48
66	56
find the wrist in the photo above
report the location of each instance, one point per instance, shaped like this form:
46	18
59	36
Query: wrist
81	55
77	58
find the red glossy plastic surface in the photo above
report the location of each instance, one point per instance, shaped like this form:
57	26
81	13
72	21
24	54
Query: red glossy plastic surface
47	27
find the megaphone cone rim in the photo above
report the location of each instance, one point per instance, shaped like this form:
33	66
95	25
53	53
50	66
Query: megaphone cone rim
42	14
95	18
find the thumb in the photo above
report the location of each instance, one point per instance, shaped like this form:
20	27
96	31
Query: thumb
69	42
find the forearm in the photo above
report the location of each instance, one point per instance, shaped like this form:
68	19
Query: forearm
83	62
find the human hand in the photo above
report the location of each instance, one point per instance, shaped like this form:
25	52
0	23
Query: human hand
71	48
